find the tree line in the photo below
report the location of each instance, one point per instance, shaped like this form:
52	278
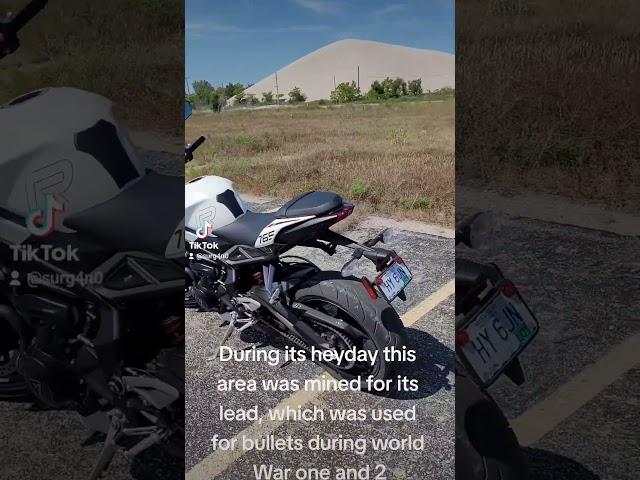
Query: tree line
206	95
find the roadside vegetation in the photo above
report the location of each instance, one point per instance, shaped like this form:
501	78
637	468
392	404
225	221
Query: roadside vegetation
391	158
549	98
205	96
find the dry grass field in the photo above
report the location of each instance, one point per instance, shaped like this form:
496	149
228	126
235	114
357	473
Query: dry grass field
392	159
549	98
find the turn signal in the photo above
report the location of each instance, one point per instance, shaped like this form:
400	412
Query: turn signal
509	289
462	338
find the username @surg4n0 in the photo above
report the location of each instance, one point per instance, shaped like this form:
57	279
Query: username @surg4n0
68	280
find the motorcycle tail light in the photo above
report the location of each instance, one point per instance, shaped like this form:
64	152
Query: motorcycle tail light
345	211
367	285
509	289
462	338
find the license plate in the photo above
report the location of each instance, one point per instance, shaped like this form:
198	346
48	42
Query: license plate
394	279
497	334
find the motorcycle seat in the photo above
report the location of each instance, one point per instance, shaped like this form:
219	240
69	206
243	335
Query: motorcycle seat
311	203
142	217
245	229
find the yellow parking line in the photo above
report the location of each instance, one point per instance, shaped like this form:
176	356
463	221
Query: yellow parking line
546	415
429	303
217	462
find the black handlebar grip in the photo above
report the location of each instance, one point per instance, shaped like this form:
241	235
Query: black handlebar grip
26	14
197	143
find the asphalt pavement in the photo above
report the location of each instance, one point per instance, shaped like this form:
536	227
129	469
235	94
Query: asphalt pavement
431	261
582	285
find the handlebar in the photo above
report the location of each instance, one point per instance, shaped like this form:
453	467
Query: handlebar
10	28
188	151
27	13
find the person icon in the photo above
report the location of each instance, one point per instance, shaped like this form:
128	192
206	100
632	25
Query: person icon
15	281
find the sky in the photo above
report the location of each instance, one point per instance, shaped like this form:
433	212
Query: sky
246	40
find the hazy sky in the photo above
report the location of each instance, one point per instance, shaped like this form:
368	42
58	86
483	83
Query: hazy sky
246	40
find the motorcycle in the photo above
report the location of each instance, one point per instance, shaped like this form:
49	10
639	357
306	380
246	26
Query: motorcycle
90	313
493	327
237	263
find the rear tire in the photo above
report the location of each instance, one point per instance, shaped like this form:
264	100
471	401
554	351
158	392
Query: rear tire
377	319
486	446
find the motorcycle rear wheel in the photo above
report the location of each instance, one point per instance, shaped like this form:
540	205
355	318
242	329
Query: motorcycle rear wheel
377	320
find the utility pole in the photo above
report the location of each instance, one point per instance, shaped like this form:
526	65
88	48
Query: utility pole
277	91
358	77
334	82
186	81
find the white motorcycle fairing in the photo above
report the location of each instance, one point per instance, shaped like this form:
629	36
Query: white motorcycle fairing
55	142
210	200
268	234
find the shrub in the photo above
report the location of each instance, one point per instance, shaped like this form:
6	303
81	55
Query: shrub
296	95
267	97
359	189
376	92
415	87
388	88
417	203
252	100
233	89
345	92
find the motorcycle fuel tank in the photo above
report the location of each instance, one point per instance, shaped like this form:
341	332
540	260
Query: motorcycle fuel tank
210	203
56	142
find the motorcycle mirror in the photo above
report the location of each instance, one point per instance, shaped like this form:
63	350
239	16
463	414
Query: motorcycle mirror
188	109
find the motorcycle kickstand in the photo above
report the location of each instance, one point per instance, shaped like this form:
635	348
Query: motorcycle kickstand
227	334
230	329
109	448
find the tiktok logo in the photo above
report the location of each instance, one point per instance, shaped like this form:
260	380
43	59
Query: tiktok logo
204	231
42	221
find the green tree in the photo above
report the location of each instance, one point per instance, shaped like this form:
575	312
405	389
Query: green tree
202	91
233	89
415	87
267	97
376	92
296	95
240	98
252	100
393	88
345	92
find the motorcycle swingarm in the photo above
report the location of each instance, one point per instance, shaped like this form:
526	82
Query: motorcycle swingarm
330	321
290	319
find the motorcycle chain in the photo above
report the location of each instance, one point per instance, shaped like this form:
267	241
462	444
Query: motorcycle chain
302	344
